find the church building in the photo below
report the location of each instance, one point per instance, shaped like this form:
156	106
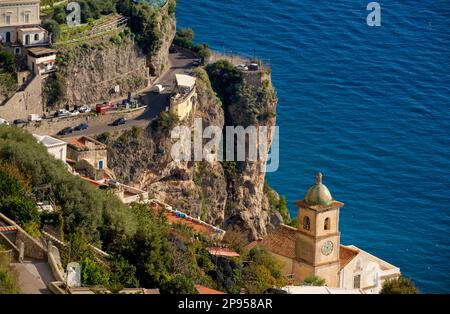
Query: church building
314	247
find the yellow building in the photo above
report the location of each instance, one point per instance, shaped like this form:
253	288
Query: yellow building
184	100
314	248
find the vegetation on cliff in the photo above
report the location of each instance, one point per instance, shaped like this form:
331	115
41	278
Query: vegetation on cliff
244	104
400	285
185	38
54	90
145	250
8	281
8	81
278	203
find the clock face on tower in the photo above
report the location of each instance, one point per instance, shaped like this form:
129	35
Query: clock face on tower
327	248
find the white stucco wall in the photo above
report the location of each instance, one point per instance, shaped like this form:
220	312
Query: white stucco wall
17	11
59	152
372	270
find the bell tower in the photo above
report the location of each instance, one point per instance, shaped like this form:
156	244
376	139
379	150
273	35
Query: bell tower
318	237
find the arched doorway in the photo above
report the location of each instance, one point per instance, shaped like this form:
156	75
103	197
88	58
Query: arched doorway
8	37
27	40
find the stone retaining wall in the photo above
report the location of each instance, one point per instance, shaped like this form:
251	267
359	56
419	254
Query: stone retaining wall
24	102
32	247
54	260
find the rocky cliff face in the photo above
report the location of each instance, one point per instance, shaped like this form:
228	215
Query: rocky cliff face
248	205
166	24
222	193
96	68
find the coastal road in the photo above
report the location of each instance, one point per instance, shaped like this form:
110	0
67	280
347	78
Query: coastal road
181	62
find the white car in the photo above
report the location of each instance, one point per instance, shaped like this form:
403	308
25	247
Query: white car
62	113
4	122
74	113
34	118
85	109
158	89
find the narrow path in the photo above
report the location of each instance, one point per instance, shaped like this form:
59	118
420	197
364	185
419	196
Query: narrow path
33	276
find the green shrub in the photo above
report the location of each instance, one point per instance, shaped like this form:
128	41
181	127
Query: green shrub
55	90
166	122
53	28
116	39
400	285
172	7
7	62
178	284
93	274
226	80
314	281
262	273
185	38
94	213
8	283
136	132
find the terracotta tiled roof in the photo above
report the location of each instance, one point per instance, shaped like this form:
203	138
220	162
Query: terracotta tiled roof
346	255
174	219
280	241
205	290
224	252
8	228
80	143
93	182
77	144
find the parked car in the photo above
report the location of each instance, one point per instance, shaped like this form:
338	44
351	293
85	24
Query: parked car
85	109
81	127
66	131
173	49
34	118
158	89
19	122
119	121
62	113
242	67
74	113
197	62
108	105
4	122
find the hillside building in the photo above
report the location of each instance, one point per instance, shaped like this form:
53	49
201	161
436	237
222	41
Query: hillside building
55	147
20	26
185	98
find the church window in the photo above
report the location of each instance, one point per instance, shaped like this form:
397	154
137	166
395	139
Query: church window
8	19
27	18
357	282
306	223
327	224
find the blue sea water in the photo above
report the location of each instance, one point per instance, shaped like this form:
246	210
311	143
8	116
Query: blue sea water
367	106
